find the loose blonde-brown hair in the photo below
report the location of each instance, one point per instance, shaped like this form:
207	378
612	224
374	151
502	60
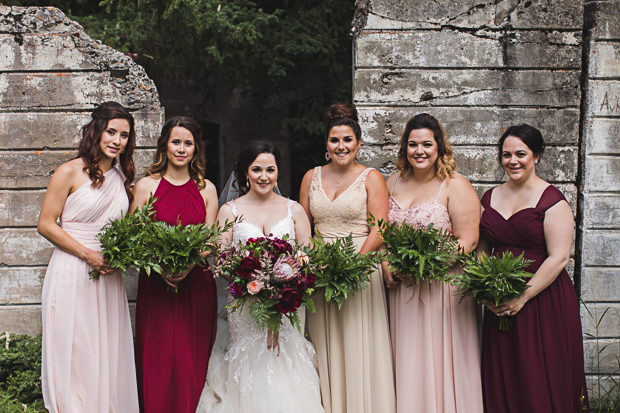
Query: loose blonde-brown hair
446	163
198	163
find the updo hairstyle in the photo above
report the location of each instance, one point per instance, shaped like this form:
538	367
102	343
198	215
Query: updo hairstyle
342	114
528	134
446	163
198	163
248	155
89	147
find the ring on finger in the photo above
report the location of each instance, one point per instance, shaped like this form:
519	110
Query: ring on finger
507	312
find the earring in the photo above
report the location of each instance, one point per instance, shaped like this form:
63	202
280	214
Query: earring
357	156
247	182
536	162
327	157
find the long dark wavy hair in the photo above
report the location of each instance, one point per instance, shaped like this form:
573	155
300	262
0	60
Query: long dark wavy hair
198	163
89	148
247	155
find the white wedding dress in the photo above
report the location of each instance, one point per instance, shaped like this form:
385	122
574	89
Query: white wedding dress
251	379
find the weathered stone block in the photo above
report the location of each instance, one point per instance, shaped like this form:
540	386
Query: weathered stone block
24	246
601	136
544	14
456	49
601	212
481	164
471	126
606	315
23	319
60	130
603	20
600	284
603	98
34	169
601	248
601	356
41	51
604	60
20	208
602	173
21	285
467	88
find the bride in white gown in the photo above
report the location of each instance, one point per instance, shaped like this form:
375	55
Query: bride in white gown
260	372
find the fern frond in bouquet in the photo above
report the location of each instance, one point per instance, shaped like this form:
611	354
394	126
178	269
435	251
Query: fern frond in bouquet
493	279
420	253
343	271
122	241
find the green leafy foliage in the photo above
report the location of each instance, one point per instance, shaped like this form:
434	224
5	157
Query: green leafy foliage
20	373
419	253
493	279
343	270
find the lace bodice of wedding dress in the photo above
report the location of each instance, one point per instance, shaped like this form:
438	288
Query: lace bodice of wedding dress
251	379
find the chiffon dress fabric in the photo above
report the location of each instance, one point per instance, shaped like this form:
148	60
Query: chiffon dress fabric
88	360
435	335
537	366
250	378
353	342
175	332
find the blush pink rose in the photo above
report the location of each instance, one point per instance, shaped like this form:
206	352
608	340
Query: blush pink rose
254	287
301	257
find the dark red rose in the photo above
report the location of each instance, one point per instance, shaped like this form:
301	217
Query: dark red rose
281	247
247	267
254	240
310	280
290	301
236	290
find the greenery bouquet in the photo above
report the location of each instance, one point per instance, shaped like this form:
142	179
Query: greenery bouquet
420	253
343	271
493	279
272	277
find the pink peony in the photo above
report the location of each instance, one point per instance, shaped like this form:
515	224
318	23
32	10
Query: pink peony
254	287
285	269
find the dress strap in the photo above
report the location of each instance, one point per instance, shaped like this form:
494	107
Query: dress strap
441	188
233	206
289	208
394	186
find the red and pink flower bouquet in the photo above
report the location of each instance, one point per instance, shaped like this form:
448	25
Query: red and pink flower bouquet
271	276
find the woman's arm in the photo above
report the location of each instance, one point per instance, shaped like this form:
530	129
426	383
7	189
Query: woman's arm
209	194
464	211
302	225
377	205
224	214
558	228
304	190
63	182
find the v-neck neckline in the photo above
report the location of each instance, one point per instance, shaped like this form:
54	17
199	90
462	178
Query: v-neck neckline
343	192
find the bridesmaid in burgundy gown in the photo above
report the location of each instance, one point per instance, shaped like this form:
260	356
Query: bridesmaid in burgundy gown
175	332
537	366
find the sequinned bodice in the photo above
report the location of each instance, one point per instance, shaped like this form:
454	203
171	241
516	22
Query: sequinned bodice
346	214
242	231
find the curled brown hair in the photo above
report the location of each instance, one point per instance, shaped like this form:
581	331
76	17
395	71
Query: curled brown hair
198	163
340	114
446	164
90	152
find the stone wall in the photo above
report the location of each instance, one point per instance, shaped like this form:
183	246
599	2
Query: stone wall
51	76
600	195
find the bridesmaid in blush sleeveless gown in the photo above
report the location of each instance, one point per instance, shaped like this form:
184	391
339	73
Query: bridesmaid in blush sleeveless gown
175	332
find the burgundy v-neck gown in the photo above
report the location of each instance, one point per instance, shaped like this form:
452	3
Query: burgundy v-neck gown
175	332
536	366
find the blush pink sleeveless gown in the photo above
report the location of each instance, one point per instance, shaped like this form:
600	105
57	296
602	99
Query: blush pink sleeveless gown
435	340
88	360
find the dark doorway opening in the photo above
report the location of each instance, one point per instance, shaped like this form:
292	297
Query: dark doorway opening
211	139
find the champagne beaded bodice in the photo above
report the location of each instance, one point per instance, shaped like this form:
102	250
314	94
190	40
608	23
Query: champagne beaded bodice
346	214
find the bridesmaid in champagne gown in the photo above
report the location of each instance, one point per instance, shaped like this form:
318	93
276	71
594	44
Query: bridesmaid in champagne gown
88	361
537	366
175	332
435	335
353	342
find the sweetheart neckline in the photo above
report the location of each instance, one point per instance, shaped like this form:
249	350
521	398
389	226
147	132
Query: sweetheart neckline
270	229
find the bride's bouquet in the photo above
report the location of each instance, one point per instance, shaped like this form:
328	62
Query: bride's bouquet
419	253
493	279
343	271
154	246
271	276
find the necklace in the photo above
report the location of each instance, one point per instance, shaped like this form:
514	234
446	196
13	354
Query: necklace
341	179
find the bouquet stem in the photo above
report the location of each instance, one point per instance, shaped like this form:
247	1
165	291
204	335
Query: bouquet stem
505	323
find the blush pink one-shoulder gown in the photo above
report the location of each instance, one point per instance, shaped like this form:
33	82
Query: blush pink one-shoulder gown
88	359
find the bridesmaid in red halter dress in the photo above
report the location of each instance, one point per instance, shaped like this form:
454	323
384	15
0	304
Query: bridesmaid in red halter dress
175	332
537	365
